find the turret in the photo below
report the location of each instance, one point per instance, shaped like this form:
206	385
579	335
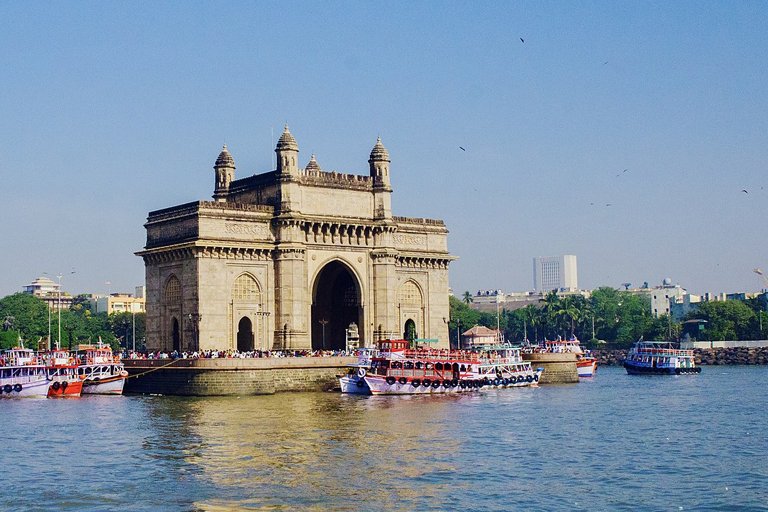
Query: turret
225	173
379	165
287	154
382	191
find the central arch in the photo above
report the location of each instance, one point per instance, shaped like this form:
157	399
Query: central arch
336	303
245	335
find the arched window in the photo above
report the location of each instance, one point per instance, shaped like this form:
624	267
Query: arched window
172	291
409	294
246	289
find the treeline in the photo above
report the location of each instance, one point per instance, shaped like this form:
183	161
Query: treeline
615	317
28	318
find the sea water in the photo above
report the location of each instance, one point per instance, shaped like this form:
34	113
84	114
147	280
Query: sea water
612	442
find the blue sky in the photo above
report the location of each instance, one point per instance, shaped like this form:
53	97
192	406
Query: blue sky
112	109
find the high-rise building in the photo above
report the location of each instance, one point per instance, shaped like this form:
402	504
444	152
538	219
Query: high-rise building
555	273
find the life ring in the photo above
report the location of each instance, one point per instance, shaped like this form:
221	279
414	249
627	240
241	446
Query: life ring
361	372
7	388
124	373
416	383
402	380
462	384
521	378
64	385
17	388
426	383
56	385
496	381
446	383
529	378
536	377
390	380
454	383
436	384
505	381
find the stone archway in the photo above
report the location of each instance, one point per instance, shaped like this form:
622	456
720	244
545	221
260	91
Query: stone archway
409	331
175	334
336	304
245	335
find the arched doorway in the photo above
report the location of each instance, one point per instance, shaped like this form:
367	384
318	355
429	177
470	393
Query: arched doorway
245	335
335	305
409	332
176	335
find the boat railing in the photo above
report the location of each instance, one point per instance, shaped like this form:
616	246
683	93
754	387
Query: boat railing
665	351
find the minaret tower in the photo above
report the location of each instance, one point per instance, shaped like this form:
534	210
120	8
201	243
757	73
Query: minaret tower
382	190
287	154
225	173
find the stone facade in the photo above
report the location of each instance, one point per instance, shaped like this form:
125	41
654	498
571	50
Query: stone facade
291	259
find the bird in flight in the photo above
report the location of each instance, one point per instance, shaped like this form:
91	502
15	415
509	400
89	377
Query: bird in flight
622	172
745	191
522	40
461	148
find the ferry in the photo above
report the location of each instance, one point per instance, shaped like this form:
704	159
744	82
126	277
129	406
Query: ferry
102	372
61	370
586	363
399	370
22	374
659	358
502	366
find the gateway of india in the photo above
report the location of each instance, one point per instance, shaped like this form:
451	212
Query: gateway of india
294	259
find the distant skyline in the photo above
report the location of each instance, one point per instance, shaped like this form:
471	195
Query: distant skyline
632	135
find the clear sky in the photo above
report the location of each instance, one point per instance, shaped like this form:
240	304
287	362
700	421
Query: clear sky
109	110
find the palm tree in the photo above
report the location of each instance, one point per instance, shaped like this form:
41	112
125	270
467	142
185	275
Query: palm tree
467	297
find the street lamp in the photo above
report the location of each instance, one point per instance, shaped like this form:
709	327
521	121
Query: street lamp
324	322
195	319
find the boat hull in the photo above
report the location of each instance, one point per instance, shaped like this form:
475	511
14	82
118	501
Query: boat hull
354	385
28	389
586	368
104	385
633	369
65	389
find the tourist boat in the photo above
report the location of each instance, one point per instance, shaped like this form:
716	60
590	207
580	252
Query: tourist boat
586	364
399	370
353	382
502	366
101	371
22	374
659	358
61	370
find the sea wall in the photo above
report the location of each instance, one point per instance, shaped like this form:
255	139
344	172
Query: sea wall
708	356
212	377
558	368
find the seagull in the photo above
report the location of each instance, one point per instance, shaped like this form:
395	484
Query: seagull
744	190
607	204
461	148
622	172
522	40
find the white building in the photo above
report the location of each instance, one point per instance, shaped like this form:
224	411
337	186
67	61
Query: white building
661	296
555	273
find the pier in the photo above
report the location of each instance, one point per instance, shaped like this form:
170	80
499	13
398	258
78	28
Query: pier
238	377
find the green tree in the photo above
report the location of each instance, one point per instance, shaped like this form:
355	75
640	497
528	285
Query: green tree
726	320
467	298
23	316
462	318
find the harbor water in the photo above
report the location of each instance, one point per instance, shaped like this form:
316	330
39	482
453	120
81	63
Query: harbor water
613	442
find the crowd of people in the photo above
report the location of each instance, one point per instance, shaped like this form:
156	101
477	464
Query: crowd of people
235	354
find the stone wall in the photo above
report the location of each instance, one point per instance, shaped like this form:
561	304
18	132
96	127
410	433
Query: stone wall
212	377
559	368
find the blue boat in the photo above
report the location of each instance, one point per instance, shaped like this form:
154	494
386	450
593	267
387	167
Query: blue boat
659	358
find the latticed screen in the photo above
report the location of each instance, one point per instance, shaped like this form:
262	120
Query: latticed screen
246	288
173	291
350	296
409	294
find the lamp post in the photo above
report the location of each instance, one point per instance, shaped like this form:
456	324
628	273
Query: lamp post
133	321
195	319
58	339
458	336
324	322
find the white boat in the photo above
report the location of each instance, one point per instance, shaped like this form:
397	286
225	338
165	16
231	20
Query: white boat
353	382
502	366
102	371
22	374
659	358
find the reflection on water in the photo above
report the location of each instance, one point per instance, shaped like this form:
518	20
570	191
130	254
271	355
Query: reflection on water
614	442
